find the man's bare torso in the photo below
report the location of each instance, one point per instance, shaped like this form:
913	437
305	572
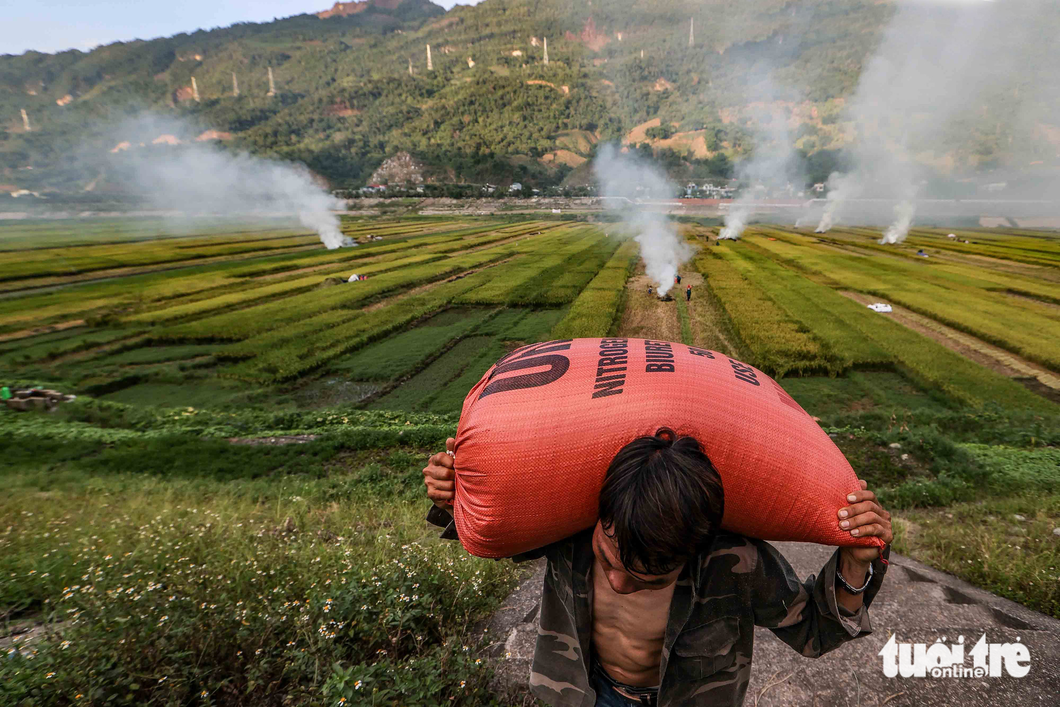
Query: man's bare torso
628	630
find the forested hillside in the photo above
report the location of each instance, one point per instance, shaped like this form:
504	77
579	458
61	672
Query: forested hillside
351	91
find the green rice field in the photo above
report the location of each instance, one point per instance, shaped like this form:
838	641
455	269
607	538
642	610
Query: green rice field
232	507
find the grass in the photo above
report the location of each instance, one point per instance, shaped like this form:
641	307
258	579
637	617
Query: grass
535	326
800	298
530	276
246	323
567	281
983	543
190	582
142	294
53	346
928	363
159	354
182	394
442	386
70	261
933	365
296	357
266	291
450	398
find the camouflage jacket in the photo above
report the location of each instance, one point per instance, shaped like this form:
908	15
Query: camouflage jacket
720	597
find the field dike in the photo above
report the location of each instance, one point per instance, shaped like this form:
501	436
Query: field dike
1041	380
27	333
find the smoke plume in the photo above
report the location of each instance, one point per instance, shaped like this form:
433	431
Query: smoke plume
942	95
773	165
163	163
897	231
629	185
841	188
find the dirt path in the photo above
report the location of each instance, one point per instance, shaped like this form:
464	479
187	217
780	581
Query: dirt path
646	316
26	333
1046	383
707	329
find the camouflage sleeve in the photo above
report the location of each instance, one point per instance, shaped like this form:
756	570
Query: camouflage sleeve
805	615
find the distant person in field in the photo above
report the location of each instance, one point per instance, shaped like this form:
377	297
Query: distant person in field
649	289
656	605
688	294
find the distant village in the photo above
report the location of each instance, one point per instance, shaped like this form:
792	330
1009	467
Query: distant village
711	189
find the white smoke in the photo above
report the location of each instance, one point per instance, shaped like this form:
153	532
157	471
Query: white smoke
897	231
630	185
773	165
735	221
181	175
947	78
841	188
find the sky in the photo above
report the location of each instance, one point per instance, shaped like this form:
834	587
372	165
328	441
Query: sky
56	25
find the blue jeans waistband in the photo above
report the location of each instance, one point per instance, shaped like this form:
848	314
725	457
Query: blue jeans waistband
647	695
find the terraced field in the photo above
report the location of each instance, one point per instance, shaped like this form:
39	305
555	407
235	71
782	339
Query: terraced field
271	314
283	318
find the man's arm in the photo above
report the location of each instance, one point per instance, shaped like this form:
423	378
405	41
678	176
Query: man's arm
439	476
865	517
807	615
815	616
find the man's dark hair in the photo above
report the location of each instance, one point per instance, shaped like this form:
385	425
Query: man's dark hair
662	501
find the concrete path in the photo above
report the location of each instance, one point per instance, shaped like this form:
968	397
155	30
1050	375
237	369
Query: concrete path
918	603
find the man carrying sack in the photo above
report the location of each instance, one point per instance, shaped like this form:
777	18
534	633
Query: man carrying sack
656	604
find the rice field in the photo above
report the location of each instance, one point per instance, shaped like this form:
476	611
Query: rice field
250	426
274	311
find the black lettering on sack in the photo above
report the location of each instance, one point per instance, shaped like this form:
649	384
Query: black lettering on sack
611	368
535	356
700	352
602	390
557	366
533	350
659	357
744	372
787	399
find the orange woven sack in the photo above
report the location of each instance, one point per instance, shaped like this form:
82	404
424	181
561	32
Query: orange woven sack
538	432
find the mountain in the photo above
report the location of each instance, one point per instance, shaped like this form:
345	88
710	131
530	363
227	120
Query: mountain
352	88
